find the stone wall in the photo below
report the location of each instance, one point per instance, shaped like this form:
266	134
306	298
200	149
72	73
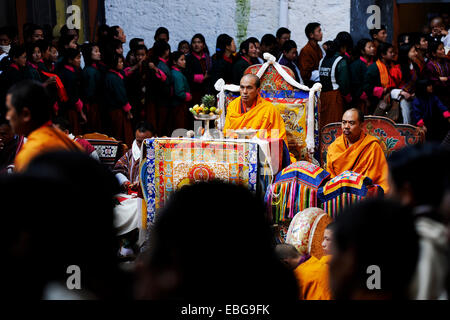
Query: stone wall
140	18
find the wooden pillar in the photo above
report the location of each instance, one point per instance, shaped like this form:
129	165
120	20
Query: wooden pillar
21	9
395	23
93	13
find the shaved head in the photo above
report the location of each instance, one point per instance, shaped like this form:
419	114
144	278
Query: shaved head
359	112
255	80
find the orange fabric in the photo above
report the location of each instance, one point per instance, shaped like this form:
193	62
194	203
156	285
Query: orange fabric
312	277
43	140
264	115
365	157
389	78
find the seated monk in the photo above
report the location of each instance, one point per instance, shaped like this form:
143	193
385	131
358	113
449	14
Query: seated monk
28	112
251	111
311	273
357	151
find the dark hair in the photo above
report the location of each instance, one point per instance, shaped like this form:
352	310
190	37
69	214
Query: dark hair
405	62
86	49
112	60
159	48
289	45
160	31
222	42
65	30
32	95
402	38
360	46
417	36
181	43
310	28
134	43
268	40
116	44
30	50
63	123
33	28
344	39
253	40
17	51
332	48
65	41
282	31
368	229
65	175
202	39
383	48
70	54
244	47
174	56
375	31
144	126
113	32
43	45
6	31
433	46
178	241
406	167
140	47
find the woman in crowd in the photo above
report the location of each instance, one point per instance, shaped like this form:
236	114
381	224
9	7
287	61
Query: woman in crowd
181	92
247	52
222	61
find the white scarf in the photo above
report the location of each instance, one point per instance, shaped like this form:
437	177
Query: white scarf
136	151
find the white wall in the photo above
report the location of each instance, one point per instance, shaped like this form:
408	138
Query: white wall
184	18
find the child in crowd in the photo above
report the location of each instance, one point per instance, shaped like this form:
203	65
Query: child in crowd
181	92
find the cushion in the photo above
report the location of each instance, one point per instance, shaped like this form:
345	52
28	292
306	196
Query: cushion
294	189
347	188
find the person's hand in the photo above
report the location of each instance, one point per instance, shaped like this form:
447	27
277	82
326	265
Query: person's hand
424	129
50	81
406	95
129	115
134	186
152	66
83	116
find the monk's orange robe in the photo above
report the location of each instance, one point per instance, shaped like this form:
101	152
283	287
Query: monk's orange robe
43	140
312	277
365	157
264	116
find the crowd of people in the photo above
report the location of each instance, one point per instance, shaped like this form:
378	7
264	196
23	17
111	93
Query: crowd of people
56	90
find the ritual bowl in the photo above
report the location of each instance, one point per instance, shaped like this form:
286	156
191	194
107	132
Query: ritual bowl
245	133
206	117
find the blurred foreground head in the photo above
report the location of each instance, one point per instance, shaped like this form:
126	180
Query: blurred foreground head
212	242
375	251
70	221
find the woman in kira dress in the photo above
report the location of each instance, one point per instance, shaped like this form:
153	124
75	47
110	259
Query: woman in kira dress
70	75
438	71
92	87
365	53
181	92
116	101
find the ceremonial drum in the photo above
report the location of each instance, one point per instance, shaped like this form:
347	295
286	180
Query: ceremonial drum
306	231
347	188
294	189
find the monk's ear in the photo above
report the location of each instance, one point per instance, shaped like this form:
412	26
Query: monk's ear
25	114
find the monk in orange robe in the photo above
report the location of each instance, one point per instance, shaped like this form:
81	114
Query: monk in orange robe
312	274
28	111
357	151
251	111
